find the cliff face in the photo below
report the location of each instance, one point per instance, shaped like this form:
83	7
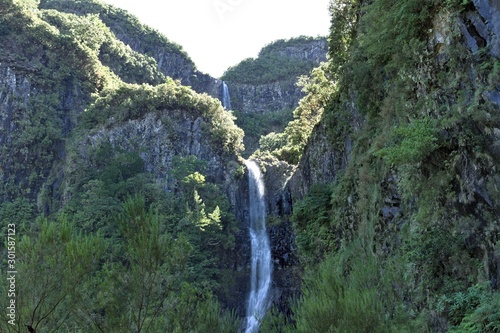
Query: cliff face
479	26
42	100
158	138
279	94
164	57
264	90
262	98
14	91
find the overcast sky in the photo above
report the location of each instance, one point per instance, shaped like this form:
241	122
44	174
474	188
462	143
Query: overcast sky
220	33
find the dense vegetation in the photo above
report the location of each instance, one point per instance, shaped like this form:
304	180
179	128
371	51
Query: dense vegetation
289	144
257	125
405	239
125	26
272	64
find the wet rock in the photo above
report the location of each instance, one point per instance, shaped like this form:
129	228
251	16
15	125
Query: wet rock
286	269
481	26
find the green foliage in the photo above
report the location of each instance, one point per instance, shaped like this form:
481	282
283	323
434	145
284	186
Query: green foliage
102	184
348	293
129	65
457	4
88	31
436	252
52	66
390	39
91	33
53	260
182	167
196	313
151	260
476	310
290	144
205	219
484	319
256	125
410	144
279	46
129	101
272	64
267	69
20	211
274	321
134	280
418	211
124	25
311	218
343	29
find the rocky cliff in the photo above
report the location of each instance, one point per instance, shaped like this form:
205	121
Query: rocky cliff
479	28
390	219
265	90
280	91
32	77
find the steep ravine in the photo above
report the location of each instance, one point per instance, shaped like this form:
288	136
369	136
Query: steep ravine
434	223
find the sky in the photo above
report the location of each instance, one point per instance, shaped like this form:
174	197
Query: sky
218	34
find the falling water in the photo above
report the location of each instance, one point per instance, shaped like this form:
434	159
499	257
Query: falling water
260	280
226	101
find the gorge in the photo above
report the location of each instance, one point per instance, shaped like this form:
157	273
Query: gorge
137	208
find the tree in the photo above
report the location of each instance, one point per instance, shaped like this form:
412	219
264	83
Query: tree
150	263
53	260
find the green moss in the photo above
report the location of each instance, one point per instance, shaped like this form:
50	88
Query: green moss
412	143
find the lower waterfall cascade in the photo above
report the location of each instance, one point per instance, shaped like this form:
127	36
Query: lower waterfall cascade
261	265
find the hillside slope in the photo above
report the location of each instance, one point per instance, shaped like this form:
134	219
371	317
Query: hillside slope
118	184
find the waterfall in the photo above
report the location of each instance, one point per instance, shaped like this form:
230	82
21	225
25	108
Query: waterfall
226	101
260	280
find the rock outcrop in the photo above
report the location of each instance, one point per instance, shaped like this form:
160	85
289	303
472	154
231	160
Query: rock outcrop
158	138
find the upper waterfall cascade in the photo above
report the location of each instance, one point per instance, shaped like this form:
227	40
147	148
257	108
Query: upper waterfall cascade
226	100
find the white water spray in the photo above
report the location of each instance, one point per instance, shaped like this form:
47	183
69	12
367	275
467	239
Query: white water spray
260	280
226	100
